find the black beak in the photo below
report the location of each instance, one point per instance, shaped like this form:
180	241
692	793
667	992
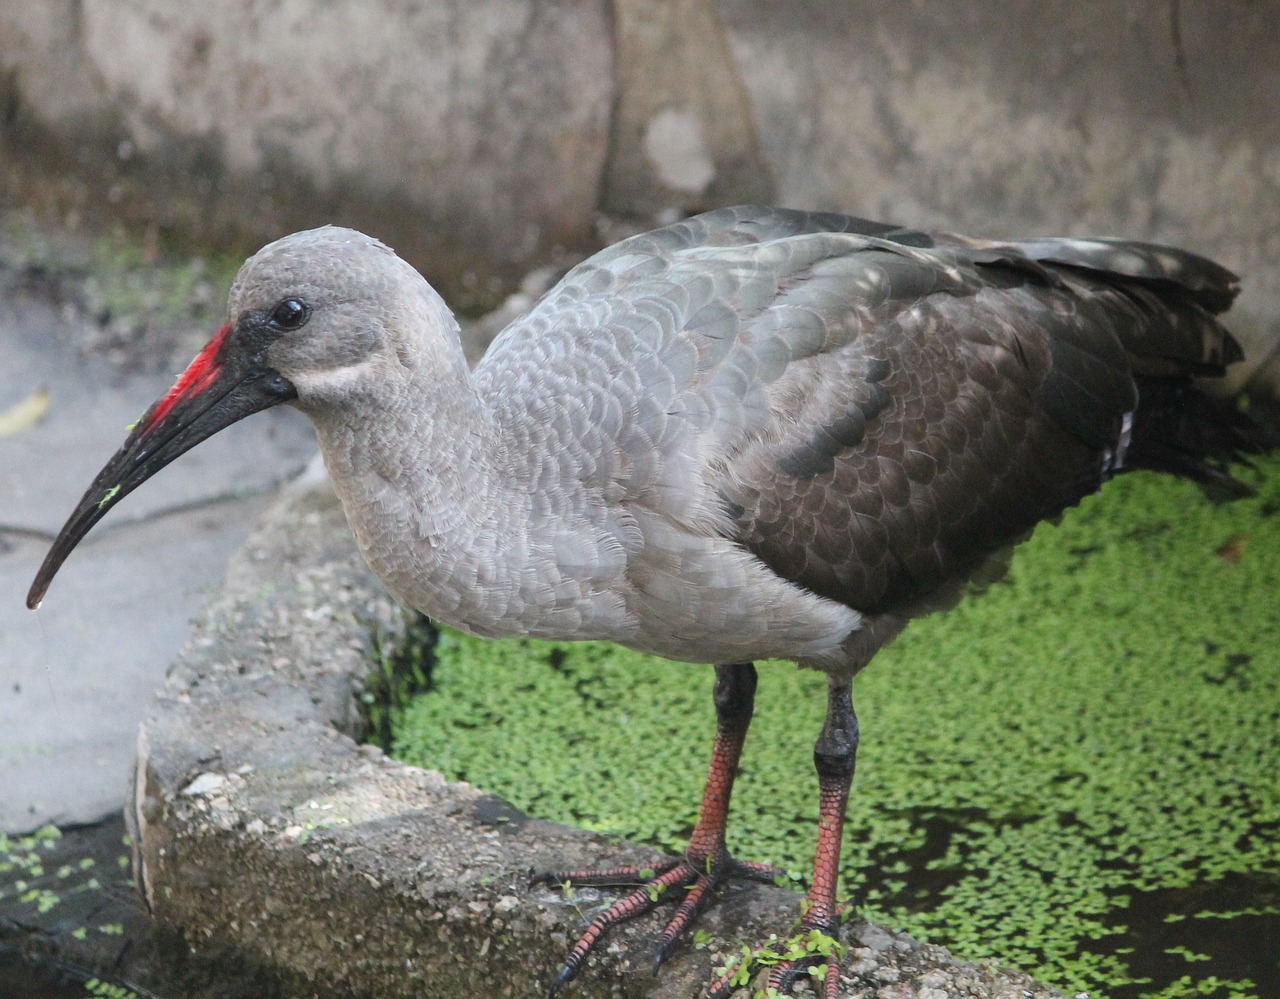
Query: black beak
221	386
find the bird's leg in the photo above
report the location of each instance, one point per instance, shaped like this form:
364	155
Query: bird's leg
706	862
707	858
834	756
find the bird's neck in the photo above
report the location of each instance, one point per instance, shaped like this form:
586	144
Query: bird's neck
424	479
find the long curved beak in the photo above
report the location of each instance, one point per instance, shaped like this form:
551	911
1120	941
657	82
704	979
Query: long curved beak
220	387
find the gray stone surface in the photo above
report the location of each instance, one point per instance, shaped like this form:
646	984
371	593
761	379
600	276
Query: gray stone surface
684	135
267	834
470	133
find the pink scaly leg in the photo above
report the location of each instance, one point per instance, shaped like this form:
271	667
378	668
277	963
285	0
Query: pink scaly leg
834	756
706	862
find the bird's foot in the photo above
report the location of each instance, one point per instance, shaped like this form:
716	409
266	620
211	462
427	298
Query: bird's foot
814	950
696	875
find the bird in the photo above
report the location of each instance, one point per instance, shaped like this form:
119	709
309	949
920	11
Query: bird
754	433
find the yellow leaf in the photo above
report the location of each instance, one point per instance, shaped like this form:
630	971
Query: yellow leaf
25	414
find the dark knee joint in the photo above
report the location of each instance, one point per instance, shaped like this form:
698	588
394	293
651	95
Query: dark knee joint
836	751
735	693
836	765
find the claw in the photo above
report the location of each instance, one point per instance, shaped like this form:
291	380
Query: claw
563	977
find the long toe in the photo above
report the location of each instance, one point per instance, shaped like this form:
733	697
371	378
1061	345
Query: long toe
699	890
814	950
692	881
783	977
621	876
624	909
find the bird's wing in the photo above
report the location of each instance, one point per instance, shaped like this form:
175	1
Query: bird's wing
871	411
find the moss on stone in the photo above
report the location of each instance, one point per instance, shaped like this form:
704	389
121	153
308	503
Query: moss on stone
147	303
1075	773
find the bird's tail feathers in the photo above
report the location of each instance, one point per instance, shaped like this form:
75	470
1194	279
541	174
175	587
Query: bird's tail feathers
1178	428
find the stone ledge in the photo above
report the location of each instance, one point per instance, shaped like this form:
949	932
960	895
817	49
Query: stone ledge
266	833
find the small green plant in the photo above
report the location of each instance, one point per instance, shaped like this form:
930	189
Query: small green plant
799	947
21	863
402	669
43	871
42	898
99	989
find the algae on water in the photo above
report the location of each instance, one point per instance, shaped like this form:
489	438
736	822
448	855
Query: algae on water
1075	773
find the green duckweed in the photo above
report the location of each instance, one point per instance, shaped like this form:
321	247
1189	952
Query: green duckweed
1074	773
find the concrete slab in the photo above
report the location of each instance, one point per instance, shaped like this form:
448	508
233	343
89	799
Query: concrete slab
75	677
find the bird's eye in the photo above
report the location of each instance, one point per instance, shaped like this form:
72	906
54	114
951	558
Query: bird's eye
290	314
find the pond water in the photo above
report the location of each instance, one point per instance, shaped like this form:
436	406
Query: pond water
67	906
20	979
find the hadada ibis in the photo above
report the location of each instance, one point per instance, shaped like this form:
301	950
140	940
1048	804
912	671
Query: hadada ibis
754	433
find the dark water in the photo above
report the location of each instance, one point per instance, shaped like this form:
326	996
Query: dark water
20	979
1245	945
50	952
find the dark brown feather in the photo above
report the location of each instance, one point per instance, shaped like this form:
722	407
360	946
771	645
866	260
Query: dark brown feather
988	392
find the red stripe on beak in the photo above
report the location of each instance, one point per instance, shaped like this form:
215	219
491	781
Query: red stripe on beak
222	385
199	376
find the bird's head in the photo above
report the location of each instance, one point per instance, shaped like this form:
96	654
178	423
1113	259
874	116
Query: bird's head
313	319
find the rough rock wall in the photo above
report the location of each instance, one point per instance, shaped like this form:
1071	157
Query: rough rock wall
479	135
470	134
